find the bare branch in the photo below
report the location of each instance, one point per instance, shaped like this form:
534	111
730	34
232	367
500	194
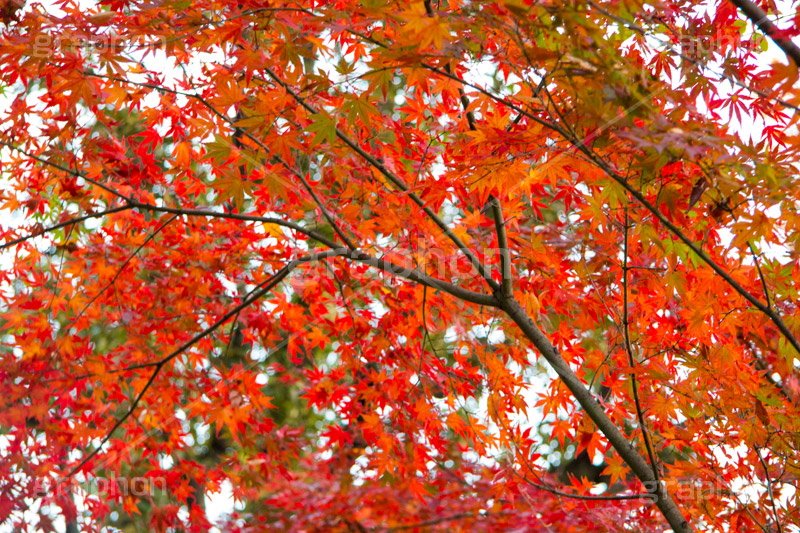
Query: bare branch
769	488
65	169
122	267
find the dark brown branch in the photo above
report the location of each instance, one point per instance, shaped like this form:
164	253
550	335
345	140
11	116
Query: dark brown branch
236	216
122	267
760	273
417	276
648	476
585	497
356	255
325	213
439	520
65	169
502	244
241	132
629	350
132	203
377	165
722	76
497	209
769	488
610	172
63	224
266	286
759	18
640	467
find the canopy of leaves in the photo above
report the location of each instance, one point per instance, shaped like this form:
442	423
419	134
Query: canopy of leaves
381	265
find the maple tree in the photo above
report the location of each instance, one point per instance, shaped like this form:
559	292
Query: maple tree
383	266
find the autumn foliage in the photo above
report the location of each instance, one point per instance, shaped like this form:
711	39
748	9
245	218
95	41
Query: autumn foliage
379	265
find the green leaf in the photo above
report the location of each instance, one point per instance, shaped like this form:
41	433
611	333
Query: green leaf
324	126
219	149
359	109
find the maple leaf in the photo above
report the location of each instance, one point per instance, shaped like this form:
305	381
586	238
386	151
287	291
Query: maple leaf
219	150
550	171
245	247
615	469
324	127
338	435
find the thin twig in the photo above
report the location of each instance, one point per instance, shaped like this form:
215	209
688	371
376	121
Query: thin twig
64	169
769	488
266	286
63	224
760	273
396	180
439	520
628	349
122	267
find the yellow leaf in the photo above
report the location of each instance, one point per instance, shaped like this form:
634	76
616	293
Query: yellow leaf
532	305
549	171
273	230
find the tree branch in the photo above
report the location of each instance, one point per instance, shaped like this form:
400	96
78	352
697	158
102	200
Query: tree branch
439	520
122	267
64	224
395	180
585	497
769	488
629	351
236	216
759	18
494	202
417	276
133	203
354	254
722	75
637	463
502	243
266	286
65	169
610	172
325	213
